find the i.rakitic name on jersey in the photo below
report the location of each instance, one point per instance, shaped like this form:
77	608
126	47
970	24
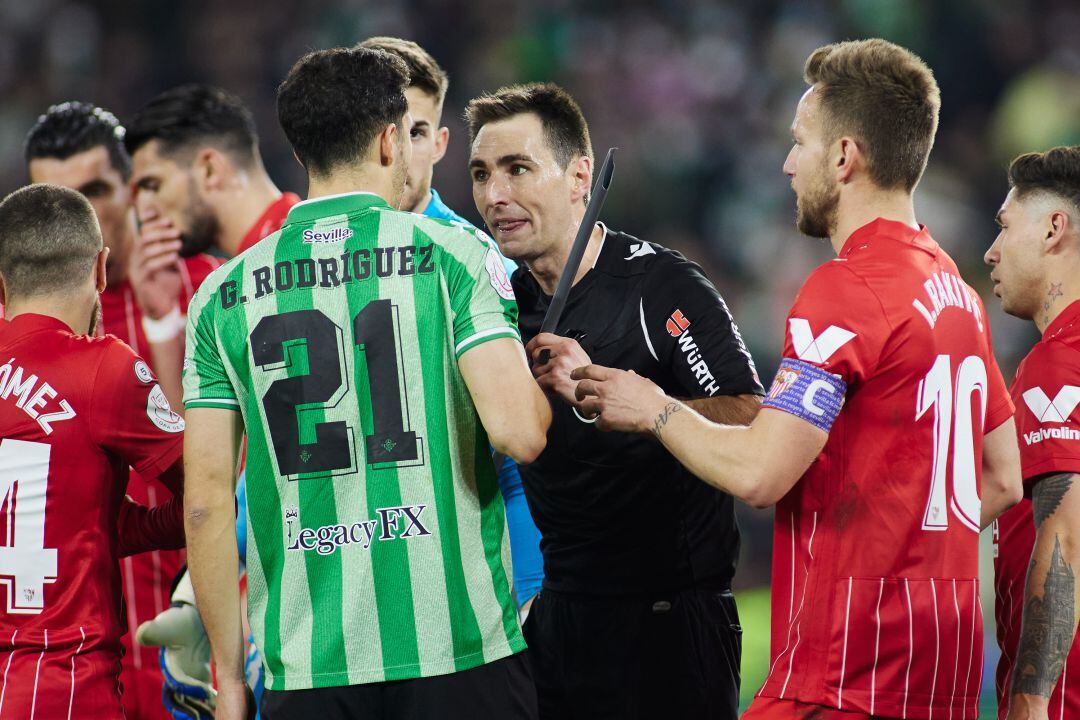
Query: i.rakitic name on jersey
330	272
944	290
392	523
32	397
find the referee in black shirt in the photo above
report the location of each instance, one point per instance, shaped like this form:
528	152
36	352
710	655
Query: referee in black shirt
636	617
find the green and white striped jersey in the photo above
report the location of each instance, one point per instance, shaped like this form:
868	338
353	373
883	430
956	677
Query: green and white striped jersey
377	545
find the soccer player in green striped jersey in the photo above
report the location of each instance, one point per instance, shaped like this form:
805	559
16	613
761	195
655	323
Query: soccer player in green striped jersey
366	353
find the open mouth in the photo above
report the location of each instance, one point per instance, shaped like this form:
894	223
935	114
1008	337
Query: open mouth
509	227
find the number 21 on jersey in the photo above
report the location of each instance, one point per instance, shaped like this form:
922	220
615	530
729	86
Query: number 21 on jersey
951	397
25	563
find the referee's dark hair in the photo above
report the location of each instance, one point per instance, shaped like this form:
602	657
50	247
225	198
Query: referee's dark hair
563	122
424	72
1056	171
334	103
74	127
191	116
49	239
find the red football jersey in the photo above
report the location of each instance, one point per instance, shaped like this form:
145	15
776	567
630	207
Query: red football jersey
875	563
1046	391
147	578
75	414
270	222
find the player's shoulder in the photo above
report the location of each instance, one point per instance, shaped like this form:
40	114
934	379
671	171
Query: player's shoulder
1057	357
201	265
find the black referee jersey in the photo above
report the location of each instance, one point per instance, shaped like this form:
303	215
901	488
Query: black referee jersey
618	514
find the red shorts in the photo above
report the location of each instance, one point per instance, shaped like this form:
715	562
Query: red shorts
63	681
767	708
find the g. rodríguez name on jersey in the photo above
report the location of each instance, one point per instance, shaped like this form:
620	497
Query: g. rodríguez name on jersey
392	523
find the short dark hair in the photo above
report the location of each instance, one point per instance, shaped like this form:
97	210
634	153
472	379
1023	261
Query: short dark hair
190	115
1056	171
563	122
74	127
424	72
334	103
49	238
885	97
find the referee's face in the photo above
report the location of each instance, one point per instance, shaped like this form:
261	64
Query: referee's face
523	194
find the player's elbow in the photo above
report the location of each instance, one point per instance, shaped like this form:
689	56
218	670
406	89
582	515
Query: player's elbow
523	444
760	489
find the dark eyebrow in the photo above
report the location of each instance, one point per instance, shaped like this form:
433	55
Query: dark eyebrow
503	161
421	123
997	218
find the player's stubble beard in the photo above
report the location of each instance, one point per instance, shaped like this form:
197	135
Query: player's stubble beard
202	224
95	316
815	209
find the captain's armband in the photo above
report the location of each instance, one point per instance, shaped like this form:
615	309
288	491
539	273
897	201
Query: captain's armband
807	392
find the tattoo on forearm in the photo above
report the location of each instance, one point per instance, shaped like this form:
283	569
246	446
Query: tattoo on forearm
1048	494
1047	631
662	419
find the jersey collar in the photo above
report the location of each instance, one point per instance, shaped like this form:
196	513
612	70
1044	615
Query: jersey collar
343	204
1066	319
891	229
25	323
271	219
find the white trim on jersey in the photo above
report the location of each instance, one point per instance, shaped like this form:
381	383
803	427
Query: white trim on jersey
71	700
877	645
911	646
3	688
937	649
843	657
791	605
129	602
645	330
1063	687
956	659
971	646
802	600
37	672
482	334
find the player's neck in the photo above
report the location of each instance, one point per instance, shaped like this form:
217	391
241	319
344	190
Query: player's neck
861	206
1060	290
71	311
354	180
548	269
423	203
244	210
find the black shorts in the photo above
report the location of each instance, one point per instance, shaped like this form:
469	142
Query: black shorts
499	690
669	656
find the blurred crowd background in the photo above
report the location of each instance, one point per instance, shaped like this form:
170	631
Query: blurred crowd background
697	94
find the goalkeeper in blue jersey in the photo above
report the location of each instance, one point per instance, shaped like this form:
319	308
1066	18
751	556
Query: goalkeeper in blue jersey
426	92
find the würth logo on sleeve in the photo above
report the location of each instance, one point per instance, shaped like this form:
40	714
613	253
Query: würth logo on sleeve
677	324
817	349
1057	410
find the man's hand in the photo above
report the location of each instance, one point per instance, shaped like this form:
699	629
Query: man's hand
154	268
623	399
554	375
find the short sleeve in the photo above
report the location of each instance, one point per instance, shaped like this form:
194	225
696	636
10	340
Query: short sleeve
691	331
131	416
481	297
835	334
206	384
1047	392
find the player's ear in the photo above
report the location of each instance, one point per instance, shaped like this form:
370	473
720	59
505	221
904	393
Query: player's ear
848	156
212	169
442	140
99	269
580	171
387	142
1058	228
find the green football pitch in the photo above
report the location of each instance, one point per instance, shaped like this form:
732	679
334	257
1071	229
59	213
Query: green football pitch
754	616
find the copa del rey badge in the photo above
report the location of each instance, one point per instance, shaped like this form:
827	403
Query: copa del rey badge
497	274
161	413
